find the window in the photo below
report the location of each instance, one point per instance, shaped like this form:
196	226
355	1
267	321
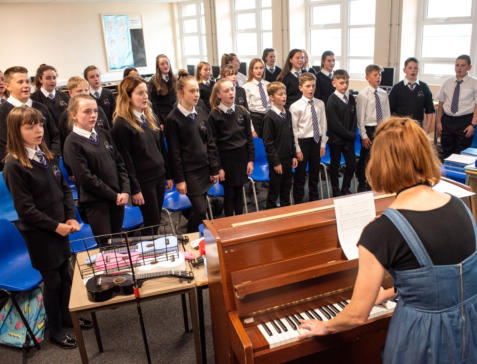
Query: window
444	32
252	22
345	27
192	32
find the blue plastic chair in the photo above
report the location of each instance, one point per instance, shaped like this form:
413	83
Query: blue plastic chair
217	190
82	240
16	271
65	174
7	209
173	203
132	217
260	168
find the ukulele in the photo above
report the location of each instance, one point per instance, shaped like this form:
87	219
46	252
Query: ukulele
102	287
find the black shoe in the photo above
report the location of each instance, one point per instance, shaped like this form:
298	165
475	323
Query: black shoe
65	342
84	324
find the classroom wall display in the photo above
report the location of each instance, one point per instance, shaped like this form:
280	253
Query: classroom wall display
123	41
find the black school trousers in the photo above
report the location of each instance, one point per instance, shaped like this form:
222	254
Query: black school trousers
198	213
56	296
347	149
363	161
233	200
153	194
257	121
453	139
311	155
280	184
105	218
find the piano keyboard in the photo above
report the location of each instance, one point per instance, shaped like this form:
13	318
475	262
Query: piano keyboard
284	330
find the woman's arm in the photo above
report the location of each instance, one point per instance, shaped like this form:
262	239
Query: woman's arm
366	288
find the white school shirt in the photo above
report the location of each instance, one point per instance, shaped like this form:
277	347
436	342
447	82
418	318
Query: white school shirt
184	111
32	154
467	95
18	103
225	108
92	92
277	110
302	121
254	100
271	69
138	115
241	79
407	82
46	93
341	96
326	73
84	133
366	108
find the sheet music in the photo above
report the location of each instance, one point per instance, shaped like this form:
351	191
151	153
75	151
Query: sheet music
352	215
463	159
446	187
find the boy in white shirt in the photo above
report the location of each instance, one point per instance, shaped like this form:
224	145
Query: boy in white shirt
372	107
309	129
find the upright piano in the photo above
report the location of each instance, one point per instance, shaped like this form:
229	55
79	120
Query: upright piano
269	268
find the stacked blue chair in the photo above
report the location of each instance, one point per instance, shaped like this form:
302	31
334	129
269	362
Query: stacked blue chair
260	168
7	209
83	239
65	174
175	202
132	217
217	190
16	272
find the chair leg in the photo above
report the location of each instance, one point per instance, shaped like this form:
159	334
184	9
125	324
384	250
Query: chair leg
244	199
210	207
319	181
254	193
170	221
326	180
25	322
184	313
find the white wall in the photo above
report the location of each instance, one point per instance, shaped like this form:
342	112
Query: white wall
69	35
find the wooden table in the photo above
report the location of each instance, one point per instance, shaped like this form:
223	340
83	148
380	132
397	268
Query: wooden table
151	289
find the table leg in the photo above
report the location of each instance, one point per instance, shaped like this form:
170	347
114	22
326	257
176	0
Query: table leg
195	324
184	313
96	332
79	337
200	308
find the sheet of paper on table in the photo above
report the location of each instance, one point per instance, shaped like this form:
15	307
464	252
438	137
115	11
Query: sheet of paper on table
446	187
352	215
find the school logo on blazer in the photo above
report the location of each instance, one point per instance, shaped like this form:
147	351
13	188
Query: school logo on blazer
240	119
56	170
106	102
108	146
63	103
420	93
203	131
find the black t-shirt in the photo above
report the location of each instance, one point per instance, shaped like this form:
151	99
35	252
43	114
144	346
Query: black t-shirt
446	232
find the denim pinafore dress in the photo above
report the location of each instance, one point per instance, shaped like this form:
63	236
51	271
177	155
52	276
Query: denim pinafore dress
435	320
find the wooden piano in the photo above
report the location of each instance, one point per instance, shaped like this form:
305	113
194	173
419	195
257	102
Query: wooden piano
273	266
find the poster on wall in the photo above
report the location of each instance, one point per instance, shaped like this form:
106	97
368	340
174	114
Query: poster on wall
124	42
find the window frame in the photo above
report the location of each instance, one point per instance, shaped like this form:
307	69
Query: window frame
200	18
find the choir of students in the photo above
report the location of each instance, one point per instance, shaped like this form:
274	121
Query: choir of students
115	146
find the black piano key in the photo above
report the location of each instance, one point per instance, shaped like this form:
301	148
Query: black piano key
325	313
333	309
282	325
269	332
291	322
275	326
298	315
295	320
317	315
329	311
310	315
341	304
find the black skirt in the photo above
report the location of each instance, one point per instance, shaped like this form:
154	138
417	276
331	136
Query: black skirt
198	181
48	250
234	163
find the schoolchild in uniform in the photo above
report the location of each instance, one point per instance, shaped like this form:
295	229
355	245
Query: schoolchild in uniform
289	76
230	125
306	63
457	114
257	97
104	96
44	204
372	108
192	151
19	88
101	176
46	92
309	130
130	71
78	86
271	69
324	78
3	89
341	122
279	145
140	142
232	59
230	73
412	97
162	89
202	75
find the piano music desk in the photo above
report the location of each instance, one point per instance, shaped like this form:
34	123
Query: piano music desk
151	289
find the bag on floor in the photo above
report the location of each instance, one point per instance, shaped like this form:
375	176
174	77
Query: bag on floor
12	330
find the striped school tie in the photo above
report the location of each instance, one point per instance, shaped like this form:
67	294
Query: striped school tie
192	116
263	97
314	119
143	121
379	110
96	95
51	97
41	158
345	98
229	111
411	86
283	115
455	97
93	137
